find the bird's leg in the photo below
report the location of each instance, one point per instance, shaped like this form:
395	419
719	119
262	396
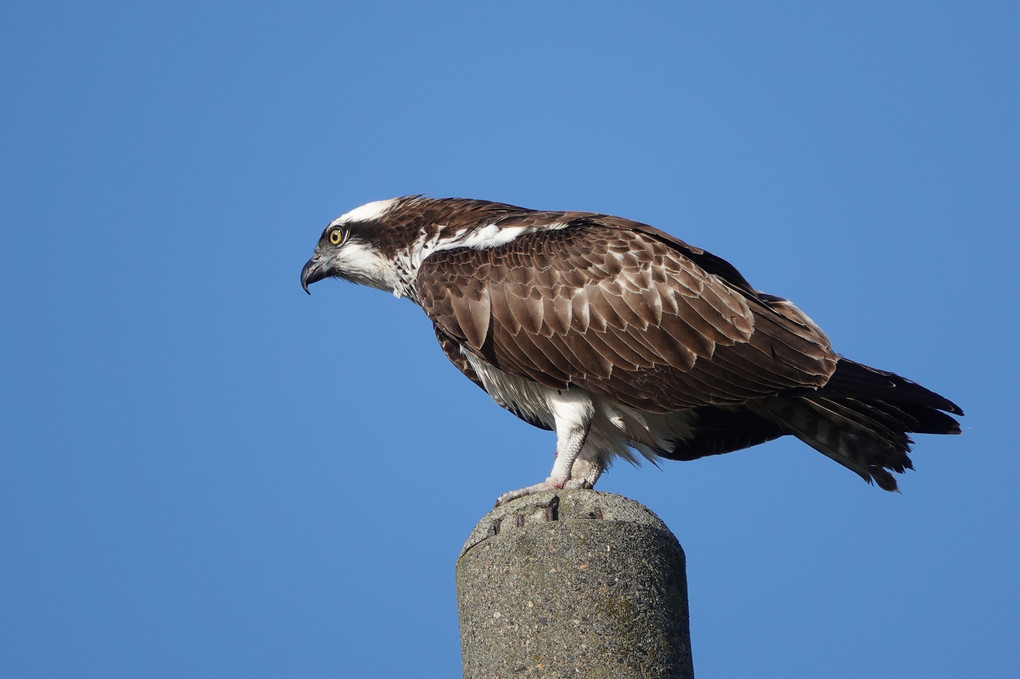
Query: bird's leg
584	473
567	451
572	413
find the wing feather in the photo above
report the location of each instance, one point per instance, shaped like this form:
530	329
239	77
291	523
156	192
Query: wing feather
472	312
519	355
500	307
623	310
629	346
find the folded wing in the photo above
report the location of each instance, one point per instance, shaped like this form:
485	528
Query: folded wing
622	310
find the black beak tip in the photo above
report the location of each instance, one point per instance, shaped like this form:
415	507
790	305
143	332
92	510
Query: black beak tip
304	278
311	272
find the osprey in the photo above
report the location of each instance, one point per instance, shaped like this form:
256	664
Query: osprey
621	338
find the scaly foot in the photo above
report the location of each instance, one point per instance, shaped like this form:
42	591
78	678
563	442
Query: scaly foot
549	484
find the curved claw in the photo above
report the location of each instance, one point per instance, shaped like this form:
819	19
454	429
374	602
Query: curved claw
549	484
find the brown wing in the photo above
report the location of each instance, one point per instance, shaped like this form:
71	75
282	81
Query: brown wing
623	310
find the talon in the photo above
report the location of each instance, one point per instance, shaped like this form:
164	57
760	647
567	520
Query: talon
578	483
548	484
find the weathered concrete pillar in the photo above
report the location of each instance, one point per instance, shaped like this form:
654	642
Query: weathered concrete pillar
573	584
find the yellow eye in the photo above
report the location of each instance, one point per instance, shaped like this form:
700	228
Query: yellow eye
336	236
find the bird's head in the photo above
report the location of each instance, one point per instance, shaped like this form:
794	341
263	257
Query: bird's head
355	247
382	244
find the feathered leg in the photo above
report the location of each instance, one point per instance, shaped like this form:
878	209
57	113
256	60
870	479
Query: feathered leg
572	412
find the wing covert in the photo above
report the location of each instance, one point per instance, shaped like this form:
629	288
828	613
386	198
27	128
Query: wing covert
621	310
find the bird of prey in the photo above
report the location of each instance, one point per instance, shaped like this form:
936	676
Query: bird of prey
623	339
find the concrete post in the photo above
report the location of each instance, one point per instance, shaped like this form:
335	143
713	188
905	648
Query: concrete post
573	584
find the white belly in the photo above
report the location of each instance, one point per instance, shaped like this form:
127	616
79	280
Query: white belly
615	429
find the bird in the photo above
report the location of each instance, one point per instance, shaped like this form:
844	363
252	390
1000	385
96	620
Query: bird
624	340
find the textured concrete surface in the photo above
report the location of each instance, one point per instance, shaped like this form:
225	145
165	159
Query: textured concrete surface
573	584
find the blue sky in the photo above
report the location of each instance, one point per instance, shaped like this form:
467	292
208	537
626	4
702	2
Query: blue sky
206	473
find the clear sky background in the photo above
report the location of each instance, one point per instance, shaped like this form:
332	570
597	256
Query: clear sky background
206	473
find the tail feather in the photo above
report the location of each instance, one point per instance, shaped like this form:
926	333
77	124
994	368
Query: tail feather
862	419
854	379
839	435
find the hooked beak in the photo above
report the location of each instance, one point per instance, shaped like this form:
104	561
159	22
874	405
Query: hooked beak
313	270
